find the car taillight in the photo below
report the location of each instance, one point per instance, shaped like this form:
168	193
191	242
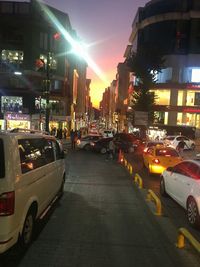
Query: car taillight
7	203
156	161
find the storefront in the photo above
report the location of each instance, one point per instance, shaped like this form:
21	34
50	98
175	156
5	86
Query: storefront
16	120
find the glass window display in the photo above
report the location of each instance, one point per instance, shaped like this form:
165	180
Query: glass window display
11	104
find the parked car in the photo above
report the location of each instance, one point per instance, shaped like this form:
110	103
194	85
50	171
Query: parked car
32	176
101	145
182	183
173	140
158	158
84	142
127	142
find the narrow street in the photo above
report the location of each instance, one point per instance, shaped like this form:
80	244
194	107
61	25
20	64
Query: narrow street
103	220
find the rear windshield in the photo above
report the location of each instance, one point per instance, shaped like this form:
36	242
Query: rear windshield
2	160
167	153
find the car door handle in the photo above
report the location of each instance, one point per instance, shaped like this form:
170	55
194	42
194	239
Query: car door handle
188	184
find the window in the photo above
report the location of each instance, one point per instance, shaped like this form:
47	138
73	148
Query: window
22	8
57	150
12	56
7	8
48	150
194	171
35	153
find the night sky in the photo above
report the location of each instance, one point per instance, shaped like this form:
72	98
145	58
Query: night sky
106	25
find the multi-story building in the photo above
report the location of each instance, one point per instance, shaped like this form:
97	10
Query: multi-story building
36	72
174	26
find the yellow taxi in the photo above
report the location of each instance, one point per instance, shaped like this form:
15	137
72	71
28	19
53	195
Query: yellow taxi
158	158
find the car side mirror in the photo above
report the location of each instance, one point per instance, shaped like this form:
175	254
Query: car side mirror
170	169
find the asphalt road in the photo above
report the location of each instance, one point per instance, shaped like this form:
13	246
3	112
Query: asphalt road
102	220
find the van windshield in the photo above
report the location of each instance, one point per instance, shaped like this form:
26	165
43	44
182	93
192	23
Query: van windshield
2	160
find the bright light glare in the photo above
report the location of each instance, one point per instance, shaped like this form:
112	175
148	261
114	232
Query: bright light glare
195	75
78	48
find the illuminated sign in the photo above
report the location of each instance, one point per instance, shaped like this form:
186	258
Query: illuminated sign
191	110
17	116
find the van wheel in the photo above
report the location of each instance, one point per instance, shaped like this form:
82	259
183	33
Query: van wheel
27	232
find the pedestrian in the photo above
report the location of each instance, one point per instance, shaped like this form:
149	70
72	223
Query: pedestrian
111	149
72	136
180	147
65	133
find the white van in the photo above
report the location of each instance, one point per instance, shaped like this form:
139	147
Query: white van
32	175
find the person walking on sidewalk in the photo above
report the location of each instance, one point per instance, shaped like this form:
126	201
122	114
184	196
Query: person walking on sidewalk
111	148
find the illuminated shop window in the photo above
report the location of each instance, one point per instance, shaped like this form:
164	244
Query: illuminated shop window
12	56
180	98
166	118
195	75
190	98
162	97
179	118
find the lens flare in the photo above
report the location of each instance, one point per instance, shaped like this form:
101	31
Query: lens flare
77	47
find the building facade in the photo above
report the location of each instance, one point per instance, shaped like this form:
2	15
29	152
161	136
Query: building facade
36	72
174	26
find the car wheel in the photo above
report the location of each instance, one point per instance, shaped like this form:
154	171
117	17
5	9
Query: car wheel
27	232
192	212
87	147
162	187
103	150
193	146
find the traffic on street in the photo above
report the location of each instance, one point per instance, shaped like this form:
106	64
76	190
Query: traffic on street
104	219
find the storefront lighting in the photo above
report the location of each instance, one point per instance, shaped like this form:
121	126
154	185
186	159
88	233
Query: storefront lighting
17	73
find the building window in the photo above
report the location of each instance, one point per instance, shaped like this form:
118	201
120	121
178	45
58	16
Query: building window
22	8
195	76
190	98
162	97
12	56
11	104
7	8
180	98
43	40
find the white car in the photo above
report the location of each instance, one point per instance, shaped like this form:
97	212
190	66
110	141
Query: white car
173	140
182	183
84	142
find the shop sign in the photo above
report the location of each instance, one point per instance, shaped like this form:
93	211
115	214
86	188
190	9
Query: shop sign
17	116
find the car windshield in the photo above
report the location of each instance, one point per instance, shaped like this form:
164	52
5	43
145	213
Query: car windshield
167	153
